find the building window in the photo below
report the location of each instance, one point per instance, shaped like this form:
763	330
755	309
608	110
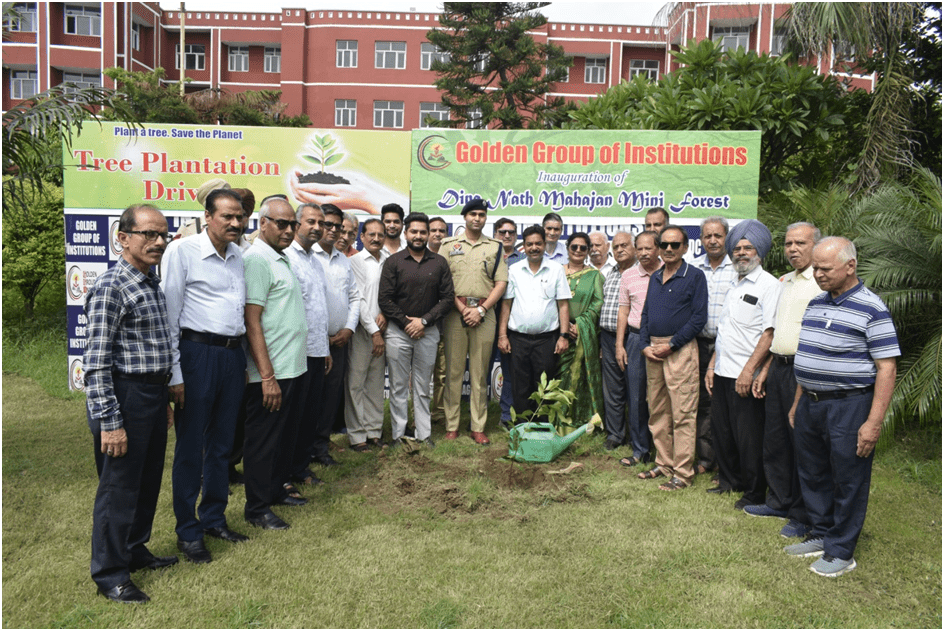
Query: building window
81	20
347	53
475	119
845	52
432	111
388	114
594	71
238	59
25	19
779	43
81	80
646	67
23	84
479	62
272	56
430	53
135	36
345	113
194	56
732	37
390	55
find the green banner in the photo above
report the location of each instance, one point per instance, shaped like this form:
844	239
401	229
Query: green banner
601	177
165	165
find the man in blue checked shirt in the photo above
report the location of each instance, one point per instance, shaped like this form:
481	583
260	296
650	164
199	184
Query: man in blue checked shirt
127	368
845	371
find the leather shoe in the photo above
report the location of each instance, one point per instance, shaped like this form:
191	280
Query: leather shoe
268	521
718	490
194	551
288	500
451	435
325	461
226	534
153	563
480	438
125	593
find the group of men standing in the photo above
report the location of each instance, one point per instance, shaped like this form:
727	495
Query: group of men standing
706	363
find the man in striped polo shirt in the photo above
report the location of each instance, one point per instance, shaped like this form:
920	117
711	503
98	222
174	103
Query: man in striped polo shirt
845	370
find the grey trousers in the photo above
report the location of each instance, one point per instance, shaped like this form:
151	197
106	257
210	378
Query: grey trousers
363	389
408	358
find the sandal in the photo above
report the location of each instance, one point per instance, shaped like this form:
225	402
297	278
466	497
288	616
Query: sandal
360	447
291	490
651	474
673	485
631	461
375	443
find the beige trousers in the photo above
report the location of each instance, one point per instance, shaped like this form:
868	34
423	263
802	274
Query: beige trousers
672	392
476	343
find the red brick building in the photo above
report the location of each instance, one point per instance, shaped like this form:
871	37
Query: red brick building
359	69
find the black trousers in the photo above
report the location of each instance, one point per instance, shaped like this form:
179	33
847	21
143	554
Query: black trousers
310	398
739	437
704	448
531	355
270	445
330	402
128	487
780	465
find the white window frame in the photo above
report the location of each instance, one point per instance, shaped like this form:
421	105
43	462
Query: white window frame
345	113
474	120
594	70
434	110
732	37
778	43
190	50
388	112
135	36
83	19
272	59
479	62
26	12
238	58
430	53
843	52
17	83
647	67
81	80
346	53
388	55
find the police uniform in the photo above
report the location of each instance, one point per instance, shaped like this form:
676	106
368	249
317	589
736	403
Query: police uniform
475	267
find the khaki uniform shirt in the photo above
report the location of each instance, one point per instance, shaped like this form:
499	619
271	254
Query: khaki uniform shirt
472	264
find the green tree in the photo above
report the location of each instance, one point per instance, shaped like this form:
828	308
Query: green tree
33	252
801	114
494	73
874	32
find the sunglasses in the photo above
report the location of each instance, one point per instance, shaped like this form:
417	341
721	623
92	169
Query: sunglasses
150	235
330	225
506	232
282	224
578	248
674	245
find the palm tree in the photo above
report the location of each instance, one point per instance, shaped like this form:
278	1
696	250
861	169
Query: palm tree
874	31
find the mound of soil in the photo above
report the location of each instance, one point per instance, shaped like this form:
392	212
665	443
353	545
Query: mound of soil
322	178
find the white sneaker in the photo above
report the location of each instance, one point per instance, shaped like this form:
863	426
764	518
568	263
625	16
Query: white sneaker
809	547
831	566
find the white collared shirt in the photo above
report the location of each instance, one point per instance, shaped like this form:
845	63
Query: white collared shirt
205	292
343	297
750	308
367	270
311	278
798	288
534	310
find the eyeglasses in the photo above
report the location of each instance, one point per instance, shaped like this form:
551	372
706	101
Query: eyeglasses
578	248
150	235
330	225
675	245
506	232
282	224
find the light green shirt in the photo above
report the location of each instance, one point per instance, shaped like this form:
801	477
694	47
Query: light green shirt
271	284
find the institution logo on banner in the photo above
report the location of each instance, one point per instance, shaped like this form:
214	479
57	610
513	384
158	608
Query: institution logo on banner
113	242
79	279
431	154
76	374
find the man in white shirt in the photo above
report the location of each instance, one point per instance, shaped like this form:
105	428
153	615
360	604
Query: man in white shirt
311	279
204	283
364	384
745	332
600	257
343	310
534	320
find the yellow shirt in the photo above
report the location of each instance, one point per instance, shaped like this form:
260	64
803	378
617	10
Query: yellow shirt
471	265
796	292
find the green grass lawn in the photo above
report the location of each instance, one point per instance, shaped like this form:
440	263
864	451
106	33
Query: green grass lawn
453	537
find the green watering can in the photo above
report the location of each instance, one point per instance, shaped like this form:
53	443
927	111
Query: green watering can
539	442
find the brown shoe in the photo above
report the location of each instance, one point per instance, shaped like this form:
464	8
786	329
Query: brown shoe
480	438
451	435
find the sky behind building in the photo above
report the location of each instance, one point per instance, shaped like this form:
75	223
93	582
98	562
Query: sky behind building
635	13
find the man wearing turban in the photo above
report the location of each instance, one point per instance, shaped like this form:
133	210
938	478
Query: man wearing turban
745	331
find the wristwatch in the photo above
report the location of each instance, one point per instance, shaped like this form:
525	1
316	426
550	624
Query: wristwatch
482	310
423	320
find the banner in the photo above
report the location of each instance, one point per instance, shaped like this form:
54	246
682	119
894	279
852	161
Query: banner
588	177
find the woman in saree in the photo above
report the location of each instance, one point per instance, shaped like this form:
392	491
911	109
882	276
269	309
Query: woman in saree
579	367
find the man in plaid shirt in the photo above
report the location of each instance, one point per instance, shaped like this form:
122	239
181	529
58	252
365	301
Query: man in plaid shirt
127	368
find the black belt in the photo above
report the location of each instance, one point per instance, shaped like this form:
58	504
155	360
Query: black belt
153	378
536	336
836	394
786	360
632	329
211	338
